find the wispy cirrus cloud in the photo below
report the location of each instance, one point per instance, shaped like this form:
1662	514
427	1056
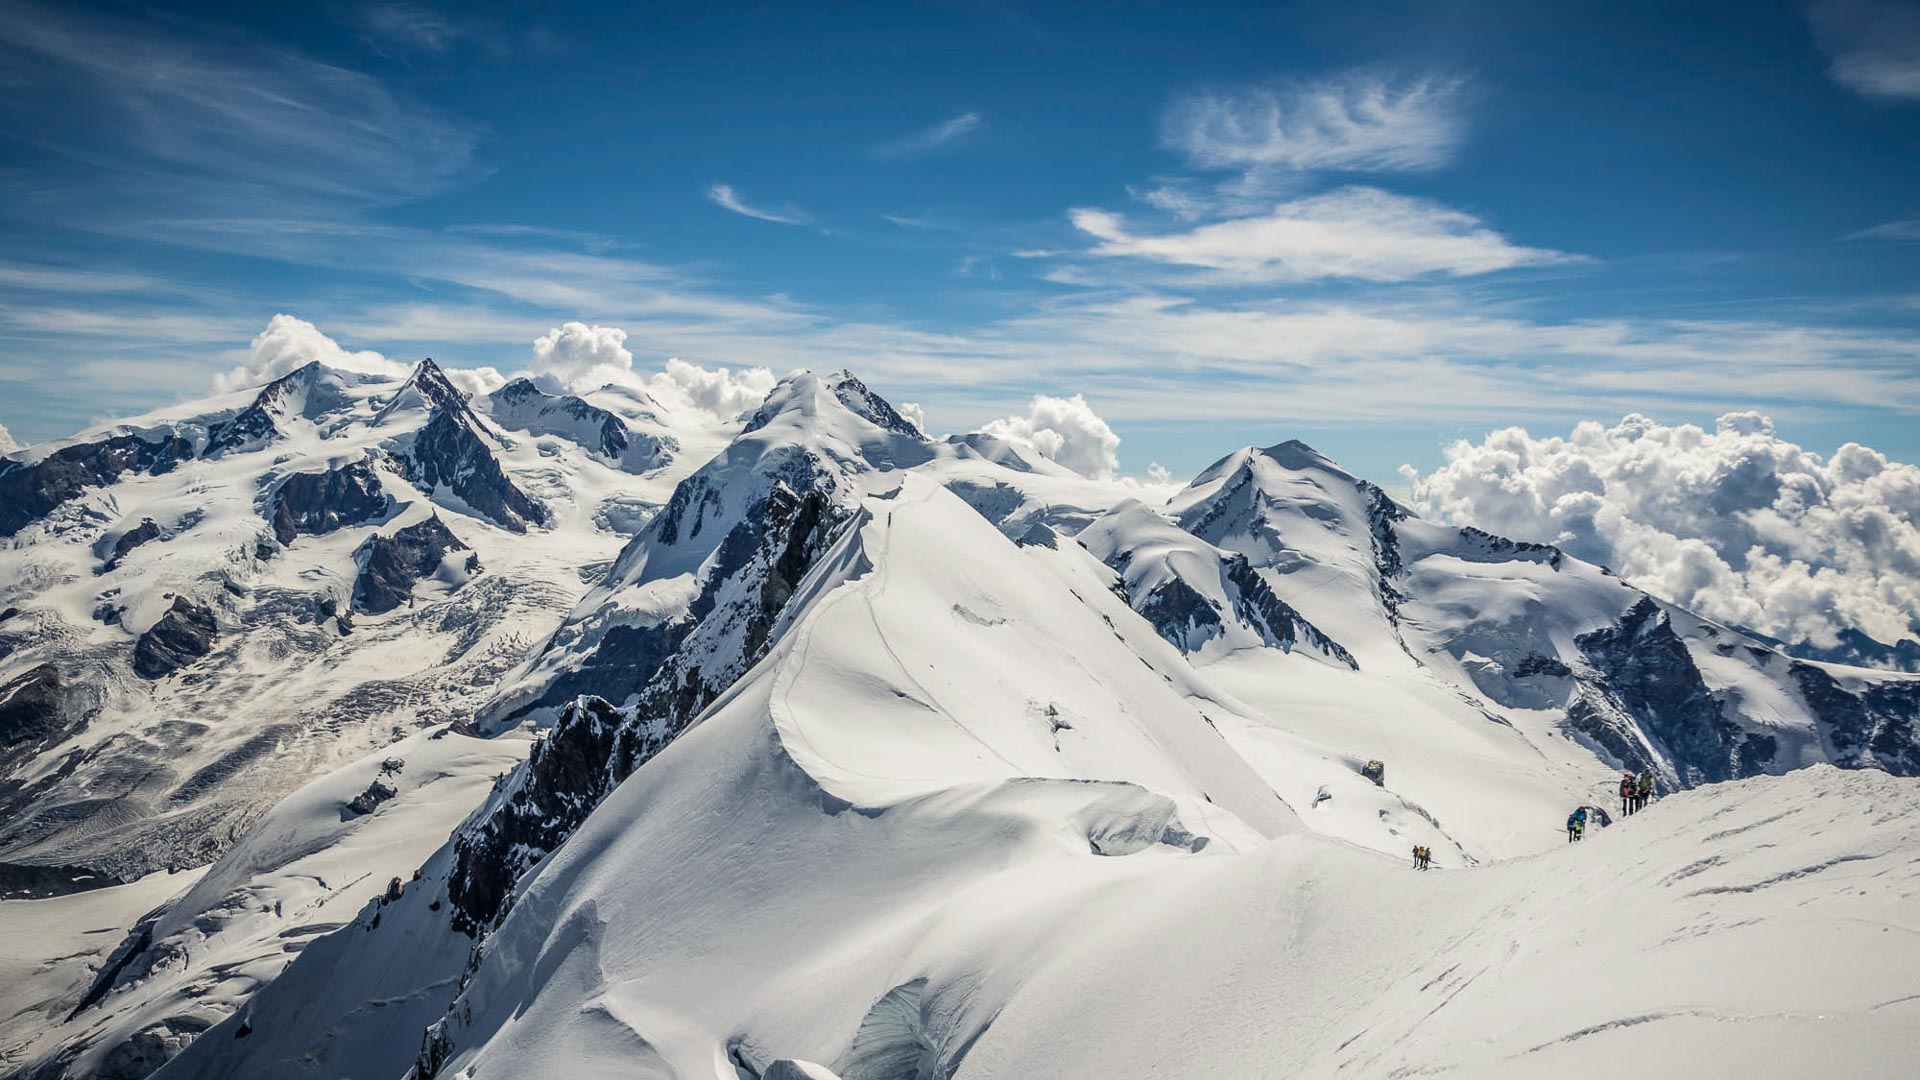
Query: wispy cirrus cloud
192	123
1358	233
930	138
724	196
398	29
1903	229
1873	46
1359	121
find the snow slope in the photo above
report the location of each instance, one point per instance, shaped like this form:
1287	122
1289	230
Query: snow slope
880	854
876	756
310	865
119	768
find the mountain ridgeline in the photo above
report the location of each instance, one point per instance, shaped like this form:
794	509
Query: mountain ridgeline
804	641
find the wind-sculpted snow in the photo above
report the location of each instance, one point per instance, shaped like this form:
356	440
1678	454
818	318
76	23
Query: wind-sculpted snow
872	855
867	754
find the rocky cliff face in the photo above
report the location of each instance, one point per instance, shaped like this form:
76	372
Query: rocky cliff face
390	566
594	746
315	503
1874	724
1646	673
454	453
29	492
181	636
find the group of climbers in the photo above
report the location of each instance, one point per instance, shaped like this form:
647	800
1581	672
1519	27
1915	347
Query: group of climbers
1635	791
1422	858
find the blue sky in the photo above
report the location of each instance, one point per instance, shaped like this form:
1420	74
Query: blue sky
1378	227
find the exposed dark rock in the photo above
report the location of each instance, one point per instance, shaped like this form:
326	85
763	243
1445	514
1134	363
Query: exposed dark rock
1873	727
522	405
1178	612
29	492
142	533
451	452
1648	674
563	779
32	711
369	800
593	745
1541	664
855	396
390	566
1487	545
1278	622
314	503
181	636
1382	515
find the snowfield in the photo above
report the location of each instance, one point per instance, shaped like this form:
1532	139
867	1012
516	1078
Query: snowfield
807	746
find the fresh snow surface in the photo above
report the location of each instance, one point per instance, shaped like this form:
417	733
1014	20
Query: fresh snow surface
881	856
309	866
965	812
164	773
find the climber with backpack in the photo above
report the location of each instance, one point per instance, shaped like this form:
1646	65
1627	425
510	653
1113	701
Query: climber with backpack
1627	795
1576	824
1644	787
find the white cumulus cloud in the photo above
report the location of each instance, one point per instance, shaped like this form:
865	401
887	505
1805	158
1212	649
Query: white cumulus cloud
289	343
914	413
1735	523
1360	233
580	357
1066	431
8	443
720	391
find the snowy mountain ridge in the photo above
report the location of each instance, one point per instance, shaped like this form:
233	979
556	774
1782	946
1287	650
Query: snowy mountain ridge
811	695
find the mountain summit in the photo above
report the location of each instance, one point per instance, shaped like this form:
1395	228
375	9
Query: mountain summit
502	730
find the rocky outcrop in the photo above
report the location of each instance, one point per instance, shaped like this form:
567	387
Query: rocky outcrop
452	453
314	503
142	533
1873	725
181	636
1645	674
29	492
594	746
369	800
865	403
390	566
1278	622
31	709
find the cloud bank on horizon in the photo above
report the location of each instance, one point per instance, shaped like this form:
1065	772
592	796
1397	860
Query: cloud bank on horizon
1378	254
1736	523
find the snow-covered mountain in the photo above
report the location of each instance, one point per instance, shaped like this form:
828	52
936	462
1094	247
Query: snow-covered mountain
862	754
205	607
